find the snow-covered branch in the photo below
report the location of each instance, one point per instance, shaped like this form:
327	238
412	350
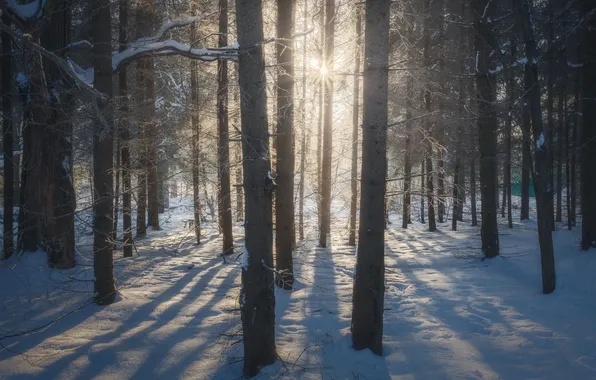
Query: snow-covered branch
27	11
170	47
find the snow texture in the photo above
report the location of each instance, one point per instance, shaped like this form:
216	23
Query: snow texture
448	314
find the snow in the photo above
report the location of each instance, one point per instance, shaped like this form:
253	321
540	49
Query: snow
29	10
540	141
497	69
448	314
21	79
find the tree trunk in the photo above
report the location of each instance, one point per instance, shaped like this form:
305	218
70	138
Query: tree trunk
321	114
422	192
257	294
550	128
224	147
510	92
487	129
124	130
305	144
327	124
369	274
162	181
7	139
103	155
195	145
588	131
48	193
355	129
407	200
284	200
117	145
559	159
473	192
526	166
542	172
432	224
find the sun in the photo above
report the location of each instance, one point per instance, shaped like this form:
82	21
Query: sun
323	70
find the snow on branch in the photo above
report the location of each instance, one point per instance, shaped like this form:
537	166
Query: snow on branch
63	64
170	47
27	11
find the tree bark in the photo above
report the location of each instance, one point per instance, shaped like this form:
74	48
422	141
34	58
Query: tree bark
542	172
7	139
195	145
321	116
224	148
124	131
257	294
473	191
284	200
369	275
355	128
588	131
407	200
487	129
103	156
304	142
327	124
525	169
432	224
422	192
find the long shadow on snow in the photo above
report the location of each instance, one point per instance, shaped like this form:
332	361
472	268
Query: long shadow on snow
140	315
479	324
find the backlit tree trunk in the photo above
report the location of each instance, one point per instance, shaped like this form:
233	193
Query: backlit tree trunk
7	139
257	306
225	194
324	228
103	155
284	200
355	128
369	275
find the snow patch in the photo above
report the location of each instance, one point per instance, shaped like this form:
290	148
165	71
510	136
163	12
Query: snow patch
540	141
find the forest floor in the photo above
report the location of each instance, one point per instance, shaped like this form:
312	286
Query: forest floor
449	314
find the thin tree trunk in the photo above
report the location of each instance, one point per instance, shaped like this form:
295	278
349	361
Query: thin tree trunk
124	129
432	224
117	145
525	169
407	200
327	124
355	128
567	166
321	115
487	129
284	200
559	156
422	192
510	92
224	148
257	295
195	146
7	139
550	127
473	192
542	172
369	280
304	127
103	155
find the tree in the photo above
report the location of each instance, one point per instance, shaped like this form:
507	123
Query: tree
487	127
542	171
257	295
194	144
426	37
7	138
588	132
123	126
47	214
369	275
284	200
355	128
225	194
304	127
324	228
103	153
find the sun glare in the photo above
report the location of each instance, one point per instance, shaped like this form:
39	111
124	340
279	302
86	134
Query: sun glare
323	70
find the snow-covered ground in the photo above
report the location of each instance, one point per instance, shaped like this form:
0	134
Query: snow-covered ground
449	315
